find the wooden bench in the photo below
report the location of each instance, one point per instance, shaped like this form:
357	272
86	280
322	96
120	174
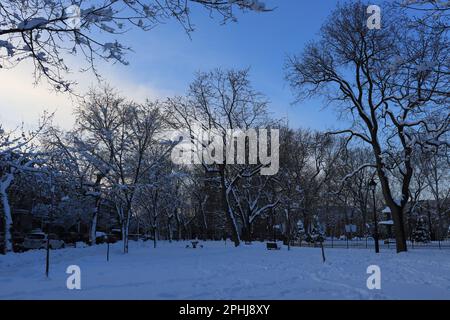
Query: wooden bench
272	246
194	245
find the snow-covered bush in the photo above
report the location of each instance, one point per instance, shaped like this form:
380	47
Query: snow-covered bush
421	232
317	233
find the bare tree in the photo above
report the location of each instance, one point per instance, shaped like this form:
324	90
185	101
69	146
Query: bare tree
392	81
435	168
432	14
217	102
155	196
252	202
351	181
18	154
120	139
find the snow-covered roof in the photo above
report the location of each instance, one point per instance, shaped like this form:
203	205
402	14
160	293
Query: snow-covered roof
386	222
386	210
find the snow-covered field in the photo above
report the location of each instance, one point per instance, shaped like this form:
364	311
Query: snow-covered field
219	271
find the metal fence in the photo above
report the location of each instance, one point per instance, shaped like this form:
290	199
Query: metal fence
369	243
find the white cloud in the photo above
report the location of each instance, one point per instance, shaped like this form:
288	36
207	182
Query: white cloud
21	101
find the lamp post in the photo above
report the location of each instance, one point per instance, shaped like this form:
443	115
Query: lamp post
372	187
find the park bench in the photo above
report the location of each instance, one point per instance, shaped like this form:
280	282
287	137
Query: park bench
194	245
272	246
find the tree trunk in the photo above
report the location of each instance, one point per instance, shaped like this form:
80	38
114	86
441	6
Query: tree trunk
180	232
125	240
96	210
228	210
125	231
205	222
430	226
400	235
396	210
288	228
178	227
169	230
92	235
8	222
247	232
154	236
98	200
440	233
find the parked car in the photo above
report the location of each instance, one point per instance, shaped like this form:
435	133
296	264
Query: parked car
38	240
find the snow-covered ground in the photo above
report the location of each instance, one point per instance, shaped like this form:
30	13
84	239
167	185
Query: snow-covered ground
219	271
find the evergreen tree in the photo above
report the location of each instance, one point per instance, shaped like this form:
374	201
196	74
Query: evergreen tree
421	233
300	235
317	233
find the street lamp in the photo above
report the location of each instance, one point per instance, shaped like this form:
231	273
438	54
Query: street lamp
372	187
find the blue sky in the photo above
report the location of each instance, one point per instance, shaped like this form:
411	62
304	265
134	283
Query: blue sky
167	58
